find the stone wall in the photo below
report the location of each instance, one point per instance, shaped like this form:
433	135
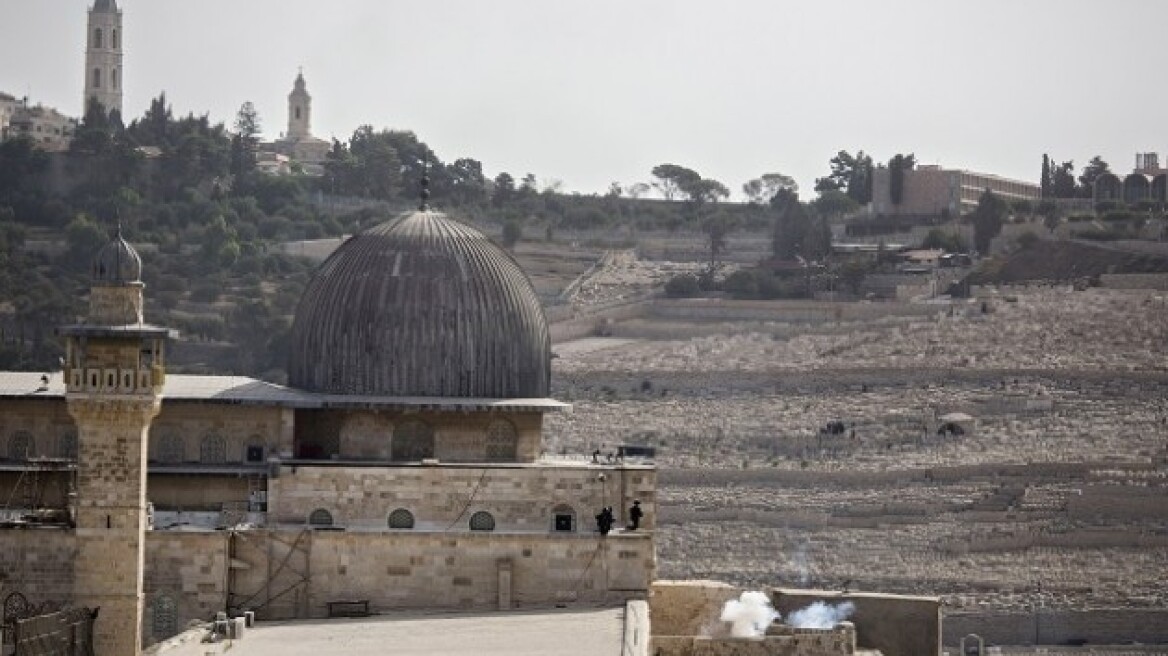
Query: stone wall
782	311
186	579
462	570
519	497
1060	627
37	563
369	435
688	608
189	428
571	324
793	642
891	623
44	421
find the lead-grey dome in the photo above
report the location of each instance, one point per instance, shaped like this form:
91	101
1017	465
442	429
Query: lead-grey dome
117	262
421	305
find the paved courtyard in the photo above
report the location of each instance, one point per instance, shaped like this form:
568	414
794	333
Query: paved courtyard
591	632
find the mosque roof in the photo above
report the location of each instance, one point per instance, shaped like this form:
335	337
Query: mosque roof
421	305
105	5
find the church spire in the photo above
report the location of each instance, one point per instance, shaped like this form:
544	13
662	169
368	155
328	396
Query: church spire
299	110
103	57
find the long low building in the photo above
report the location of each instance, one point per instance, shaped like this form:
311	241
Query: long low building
930	190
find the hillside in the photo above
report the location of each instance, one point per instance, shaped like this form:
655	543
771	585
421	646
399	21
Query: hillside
1066	260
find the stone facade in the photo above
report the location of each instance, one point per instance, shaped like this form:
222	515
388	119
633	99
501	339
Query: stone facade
386	435
518	498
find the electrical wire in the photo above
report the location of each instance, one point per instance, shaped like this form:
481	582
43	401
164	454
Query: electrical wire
469	501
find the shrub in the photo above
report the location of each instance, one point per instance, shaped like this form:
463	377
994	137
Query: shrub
682	286
742	284
1116	216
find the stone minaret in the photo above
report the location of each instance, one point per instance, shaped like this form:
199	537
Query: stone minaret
103	56
113	376
299	111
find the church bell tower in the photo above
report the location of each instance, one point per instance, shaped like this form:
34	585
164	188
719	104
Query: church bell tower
103	56
299	110
113	375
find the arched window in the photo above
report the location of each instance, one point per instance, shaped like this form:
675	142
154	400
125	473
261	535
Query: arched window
97	37
213	450
114	78
320	517
20	446
482	521
114	39
171	449
164	623
412	440
401	518
298	112
502	441
97	78
563	519
67	445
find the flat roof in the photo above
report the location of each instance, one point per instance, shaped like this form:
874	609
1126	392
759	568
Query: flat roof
243	390
565	632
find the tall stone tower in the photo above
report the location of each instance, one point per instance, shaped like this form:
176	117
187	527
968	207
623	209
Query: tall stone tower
299	111
103	56
113	376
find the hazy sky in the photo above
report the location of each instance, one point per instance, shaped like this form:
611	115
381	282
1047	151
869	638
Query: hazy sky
600	91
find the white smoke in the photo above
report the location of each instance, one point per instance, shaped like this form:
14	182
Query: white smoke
802	564
820	615
749	615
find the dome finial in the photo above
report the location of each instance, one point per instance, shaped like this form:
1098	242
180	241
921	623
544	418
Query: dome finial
424	205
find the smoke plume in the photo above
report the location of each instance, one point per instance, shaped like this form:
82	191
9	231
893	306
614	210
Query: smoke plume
749	615
820	615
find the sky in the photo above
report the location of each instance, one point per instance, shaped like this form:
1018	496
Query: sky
591	93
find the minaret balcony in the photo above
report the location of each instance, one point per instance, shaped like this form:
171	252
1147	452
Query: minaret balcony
144	381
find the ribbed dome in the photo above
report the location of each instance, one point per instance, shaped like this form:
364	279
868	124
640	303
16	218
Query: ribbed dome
117	262
421	305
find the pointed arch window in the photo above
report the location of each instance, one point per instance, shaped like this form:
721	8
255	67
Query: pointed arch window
297	112
502	441
171	449
20	446
213	450
165	617
97	37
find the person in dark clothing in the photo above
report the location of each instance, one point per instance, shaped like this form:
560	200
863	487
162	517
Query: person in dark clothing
604	521
635	515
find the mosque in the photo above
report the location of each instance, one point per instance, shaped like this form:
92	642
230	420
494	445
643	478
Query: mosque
401	468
